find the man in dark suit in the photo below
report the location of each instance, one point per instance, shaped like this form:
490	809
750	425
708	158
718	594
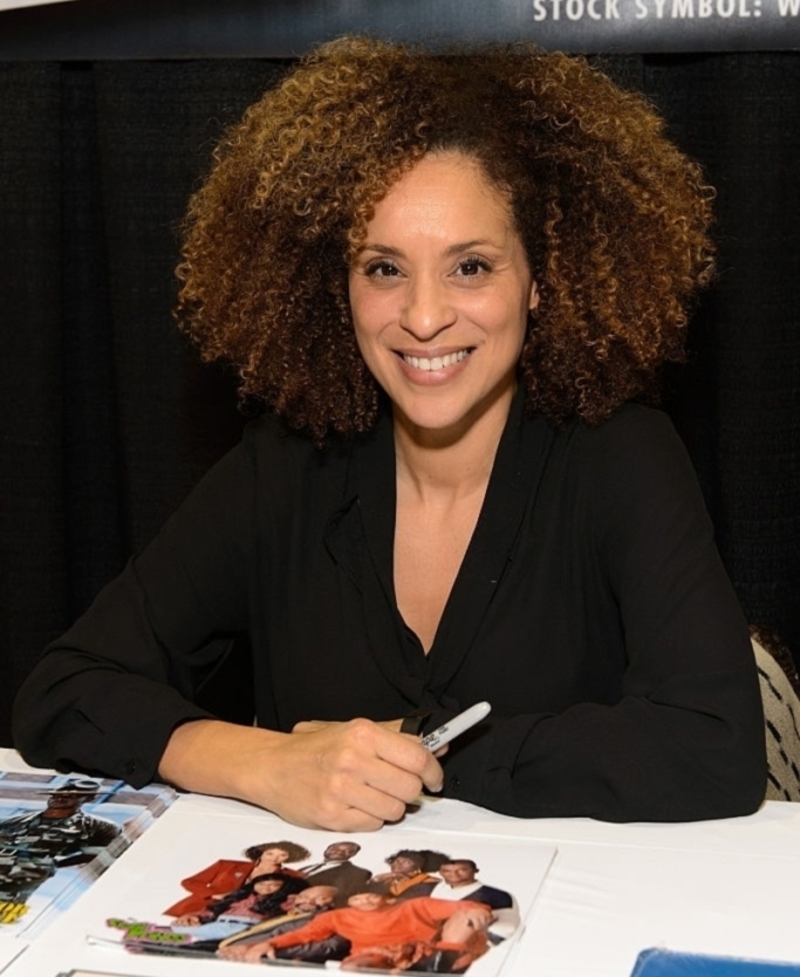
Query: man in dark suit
338	870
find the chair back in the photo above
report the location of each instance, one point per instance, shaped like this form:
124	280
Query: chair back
782	719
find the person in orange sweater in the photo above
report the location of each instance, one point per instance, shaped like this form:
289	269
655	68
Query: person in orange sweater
424	933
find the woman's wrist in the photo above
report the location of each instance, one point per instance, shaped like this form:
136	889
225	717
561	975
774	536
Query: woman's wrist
209	756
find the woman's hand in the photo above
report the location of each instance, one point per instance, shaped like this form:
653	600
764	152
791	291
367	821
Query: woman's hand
393	725
350	776
313	725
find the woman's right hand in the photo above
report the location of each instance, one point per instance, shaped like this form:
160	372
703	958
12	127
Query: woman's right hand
350	776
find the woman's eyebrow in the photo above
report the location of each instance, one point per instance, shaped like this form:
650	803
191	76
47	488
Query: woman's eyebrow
386	249
482	242
458	248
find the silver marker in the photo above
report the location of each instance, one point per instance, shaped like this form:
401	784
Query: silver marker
458	724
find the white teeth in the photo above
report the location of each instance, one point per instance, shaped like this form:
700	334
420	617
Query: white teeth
438	362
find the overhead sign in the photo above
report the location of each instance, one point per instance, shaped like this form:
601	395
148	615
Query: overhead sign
9	4
668	25
89	29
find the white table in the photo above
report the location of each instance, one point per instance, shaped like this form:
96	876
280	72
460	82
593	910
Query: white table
727	887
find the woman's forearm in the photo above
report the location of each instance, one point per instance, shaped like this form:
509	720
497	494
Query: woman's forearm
349	776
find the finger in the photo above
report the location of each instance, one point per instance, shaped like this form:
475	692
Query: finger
349	806
372	803
391	780
393	725
385	769
405	752
351	819
310	726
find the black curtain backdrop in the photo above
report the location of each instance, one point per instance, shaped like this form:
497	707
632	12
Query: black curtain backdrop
108	419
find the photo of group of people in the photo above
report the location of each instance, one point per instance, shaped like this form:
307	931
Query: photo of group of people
401	909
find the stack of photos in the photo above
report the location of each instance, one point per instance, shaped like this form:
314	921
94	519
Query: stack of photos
58	833
261	891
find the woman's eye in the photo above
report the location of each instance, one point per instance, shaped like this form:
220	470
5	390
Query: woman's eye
382	269
470	267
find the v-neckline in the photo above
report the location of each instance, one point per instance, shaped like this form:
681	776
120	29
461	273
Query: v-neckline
514	476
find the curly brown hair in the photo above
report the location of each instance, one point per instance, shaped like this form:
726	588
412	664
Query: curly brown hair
612	215
295	852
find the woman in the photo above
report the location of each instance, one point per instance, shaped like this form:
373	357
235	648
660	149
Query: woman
258	899
446	278
408	874
226	875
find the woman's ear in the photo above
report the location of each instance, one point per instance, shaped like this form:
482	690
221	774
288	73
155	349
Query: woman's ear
533	301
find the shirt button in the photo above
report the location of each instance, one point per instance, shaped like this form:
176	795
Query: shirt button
455	783
131	766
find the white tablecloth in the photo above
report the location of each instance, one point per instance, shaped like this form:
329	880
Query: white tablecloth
726	887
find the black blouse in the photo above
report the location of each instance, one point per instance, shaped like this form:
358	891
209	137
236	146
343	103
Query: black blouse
591	610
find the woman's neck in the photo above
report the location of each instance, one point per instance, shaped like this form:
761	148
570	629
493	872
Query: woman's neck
454	463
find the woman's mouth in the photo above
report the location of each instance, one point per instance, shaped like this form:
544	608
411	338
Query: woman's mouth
436	362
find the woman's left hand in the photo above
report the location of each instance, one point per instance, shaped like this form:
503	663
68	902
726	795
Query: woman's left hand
314	725
393	725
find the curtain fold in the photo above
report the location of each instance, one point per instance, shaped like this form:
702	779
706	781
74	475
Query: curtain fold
108	418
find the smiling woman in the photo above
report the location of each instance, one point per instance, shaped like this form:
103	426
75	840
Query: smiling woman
447	279
440	294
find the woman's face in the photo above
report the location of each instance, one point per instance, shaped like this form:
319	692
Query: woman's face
267	887
404	866
440	295
274	855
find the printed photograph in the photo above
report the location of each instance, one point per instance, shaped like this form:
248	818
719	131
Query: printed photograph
395	901
58	833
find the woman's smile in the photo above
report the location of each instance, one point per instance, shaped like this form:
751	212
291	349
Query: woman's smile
440	294
435	363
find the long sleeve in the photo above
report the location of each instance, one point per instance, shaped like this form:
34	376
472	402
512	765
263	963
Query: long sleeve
107	695
315	930
417	919
681	738
592	610
220	878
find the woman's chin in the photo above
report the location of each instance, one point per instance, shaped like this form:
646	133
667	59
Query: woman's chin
445	417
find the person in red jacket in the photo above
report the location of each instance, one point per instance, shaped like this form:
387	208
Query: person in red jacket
226	874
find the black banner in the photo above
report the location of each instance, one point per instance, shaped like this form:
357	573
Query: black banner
92	29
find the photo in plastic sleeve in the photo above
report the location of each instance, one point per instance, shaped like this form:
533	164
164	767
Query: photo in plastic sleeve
261	891
58	833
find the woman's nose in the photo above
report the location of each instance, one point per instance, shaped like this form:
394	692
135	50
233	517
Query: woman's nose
428	308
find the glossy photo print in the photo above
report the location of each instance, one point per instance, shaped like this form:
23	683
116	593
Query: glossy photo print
58	833
260	891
